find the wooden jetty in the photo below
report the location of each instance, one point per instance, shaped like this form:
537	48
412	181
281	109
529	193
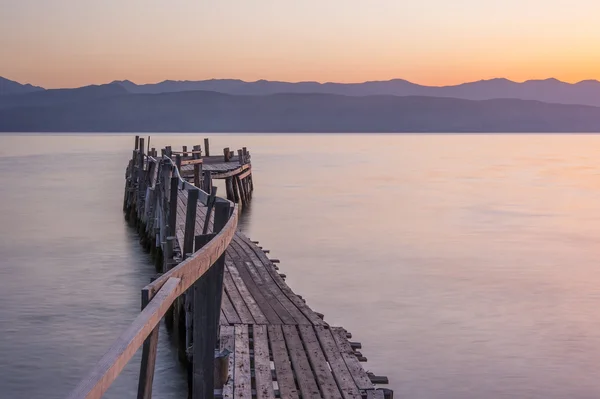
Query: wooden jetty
238	326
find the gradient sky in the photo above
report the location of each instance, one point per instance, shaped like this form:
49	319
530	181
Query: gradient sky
67	43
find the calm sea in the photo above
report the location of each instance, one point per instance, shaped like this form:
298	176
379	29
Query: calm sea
467	265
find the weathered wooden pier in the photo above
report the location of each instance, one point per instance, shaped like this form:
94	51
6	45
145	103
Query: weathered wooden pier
240	329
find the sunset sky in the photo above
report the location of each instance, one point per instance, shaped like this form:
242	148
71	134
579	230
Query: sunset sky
68	43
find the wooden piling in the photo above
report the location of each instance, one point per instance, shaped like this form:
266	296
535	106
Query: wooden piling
206	147
148	362
197	167
229	188
226	154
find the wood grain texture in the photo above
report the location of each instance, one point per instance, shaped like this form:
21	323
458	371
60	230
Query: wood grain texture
227	341
302	371
283	367
262	363
318	362
338	366
243	379
359	375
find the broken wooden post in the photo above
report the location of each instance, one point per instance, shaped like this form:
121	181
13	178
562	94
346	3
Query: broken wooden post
226	154
206	148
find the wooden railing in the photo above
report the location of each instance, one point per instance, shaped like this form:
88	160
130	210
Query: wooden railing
155	183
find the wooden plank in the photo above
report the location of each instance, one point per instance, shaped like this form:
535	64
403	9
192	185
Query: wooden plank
359	375
304	375
123	349
283	367
229	310
303	307
236	299
262	363
191	162
227	341
325	379
243	379
340	371
245	174
286	310
223	319
249	299
375	394
227	171
254	294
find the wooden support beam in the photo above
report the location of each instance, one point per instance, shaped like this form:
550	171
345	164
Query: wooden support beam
137	143
236	195
178	162
206	147
184	152
209	208
242	190
207	182
148	362
229	188
190	223
197	167
226	154
240	157
207	309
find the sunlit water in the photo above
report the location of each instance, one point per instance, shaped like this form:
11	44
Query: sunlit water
467	265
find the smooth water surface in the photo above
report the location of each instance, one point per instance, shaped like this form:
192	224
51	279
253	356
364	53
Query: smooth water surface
467	265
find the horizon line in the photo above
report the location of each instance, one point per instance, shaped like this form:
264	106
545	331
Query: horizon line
315	82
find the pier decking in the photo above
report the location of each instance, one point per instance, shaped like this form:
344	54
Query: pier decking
268	342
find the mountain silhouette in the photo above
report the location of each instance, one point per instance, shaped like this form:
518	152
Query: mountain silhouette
549	90
205	111
55	97
9	87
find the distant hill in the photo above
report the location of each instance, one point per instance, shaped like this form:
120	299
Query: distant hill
9	87
549	90
55	97
204	111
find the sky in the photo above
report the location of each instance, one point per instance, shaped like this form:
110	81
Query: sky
71	43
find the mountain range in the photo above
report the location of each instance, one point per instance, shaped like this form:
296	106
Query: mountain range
228	105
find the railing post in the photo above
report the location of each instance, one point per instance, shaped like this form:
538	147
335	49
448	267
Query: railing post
148	356
207	181
188	249
172	220
178	164
208	291
197	167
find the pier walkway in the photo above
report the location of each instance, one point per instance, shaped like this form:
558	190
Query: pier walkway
268	343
